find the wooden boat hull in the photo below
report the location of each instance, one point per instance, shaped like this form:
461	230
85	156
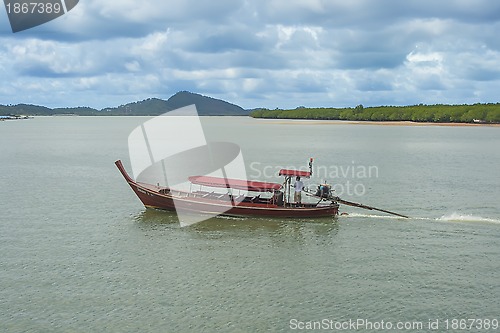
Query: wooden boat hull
154	197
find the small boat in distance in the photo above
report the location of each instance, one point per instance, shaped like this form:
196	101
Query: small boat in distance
262	199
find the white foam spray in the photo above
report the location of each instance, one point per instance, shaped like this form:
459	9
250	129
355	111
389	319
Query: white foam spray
457	217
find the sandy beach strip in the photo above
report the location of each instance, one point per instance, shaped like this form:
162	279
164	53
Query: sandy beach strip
378	123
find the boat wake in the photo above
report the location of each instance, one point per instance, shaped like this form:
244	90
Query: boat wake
457	217
453	217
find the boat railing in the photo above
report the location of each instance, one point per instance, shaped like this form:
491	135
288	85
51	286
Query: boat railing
258	199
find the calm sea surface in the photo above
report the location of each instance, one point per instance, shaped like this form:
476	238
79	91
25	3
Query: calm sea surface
79	253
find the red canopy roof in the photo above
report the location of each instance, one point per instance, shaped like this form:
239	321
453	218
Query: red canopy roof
237	184
285	172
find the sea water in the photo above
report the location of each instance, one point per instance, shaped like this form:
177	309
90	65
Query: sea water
79	253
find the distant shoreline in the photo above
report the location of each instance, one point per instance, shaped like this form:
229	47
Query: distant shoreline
486	114
284	121
14	117
475	114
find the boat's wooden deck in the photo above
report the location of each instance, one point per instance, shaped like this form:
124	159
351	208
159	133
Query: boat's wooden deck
225	197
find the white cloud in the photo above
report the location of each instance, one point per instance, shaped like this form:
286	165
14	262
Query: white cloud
258	53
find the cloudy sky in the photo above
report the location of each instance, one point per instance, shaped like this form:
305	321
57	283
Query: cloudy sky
257	53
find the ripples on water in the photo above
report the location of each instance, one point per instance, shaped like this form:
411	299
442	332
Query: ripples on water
80	254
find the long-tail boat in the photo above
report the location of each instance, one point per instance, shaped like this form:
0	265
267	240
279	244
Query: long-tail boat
259	198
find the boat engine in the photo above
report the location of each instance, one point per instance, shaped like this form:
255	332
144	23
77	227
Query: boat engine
324	191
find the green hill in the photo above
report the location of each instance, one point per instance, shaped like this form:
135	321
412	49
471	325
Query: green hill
206	106
147	107
23	109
